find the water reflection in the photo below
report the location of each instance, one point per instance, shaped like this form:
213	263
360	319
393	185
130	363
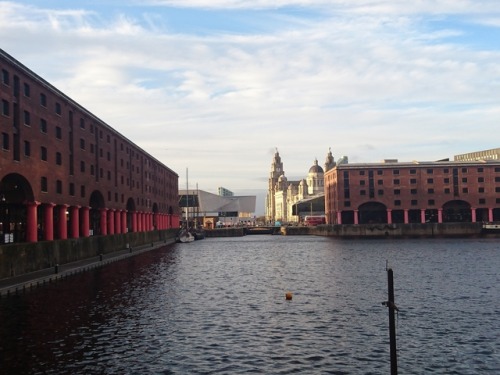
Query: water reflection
218	306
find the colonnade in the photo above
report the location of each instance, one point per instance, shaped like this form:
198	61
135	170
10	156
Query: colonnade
74	221
422	215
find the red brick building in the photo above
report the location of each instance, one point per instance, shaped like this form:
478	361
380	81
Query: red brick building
64	173
417	192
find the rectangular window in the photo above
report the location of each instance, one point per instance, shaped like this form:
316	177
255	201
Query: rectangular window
347	204
413	191
480	169
414	202
27	148
380	192
397	202
447	191
396	181
379	172
446	180
58	158
27	118
465	190
430	191
5	107
497	179
464	170
430	180
497	190
497	169
59	188
27	91
361	173
5	77
362	182
82	166
397	191
395	172
43	184
58	132
43	125
482	201
464	179
43	153
431	202
5	141
82	143
446	170
82	191
430	171
72	189
413	171
480	190
82	124
362	192
43	100
413	181
58	109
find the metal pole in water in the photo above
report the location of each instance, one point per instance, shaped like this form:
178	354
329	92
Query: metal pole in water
392	323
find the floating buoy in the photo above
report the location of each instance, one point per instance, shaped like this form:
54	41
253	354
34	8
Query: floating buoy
288	296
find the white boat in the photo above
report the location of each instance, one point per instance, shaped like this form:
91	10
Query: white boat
185	236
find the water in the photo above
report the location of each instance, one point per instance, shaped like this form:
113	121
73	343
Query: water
218	306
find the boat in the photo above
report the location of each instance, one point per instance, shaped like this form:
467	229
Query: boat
186	233
185	236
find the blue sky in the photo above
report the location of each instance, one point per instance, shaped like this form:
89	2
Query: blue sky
216	85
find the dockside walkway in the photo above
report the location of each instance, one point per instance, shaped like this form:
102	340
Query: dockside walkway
28	281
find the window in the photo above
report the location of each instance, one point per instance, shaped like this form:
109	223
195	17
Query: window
362	182
413	181
361	173
446	180
58	132
27	148
58	109
109	156
497	190
380	192
480	169
446	170
497	179
413	171
347	204
5	77
380	182
464	170
414	202
482	201
447	191
397	202
431	202
82	166
395	172
82	124
82	143
430	191
82	191
27	91
465	190
362	192
92	170
27	118
480	190
71	189
5	107
58	158
413	191
397	191
430	180
43	100
497	169
43	184
464	179
43	125
430	171
43	153
379	172
59	189
5	141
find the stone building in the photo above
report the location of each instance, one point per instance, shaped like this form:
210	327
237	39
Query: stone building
284	196
64	173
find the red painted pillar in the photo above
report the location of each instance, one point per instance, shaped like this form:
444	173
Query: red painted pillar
473	214
422	215
63	222
339	217
118	221
139	221
407	218
85	222
356	217
389	216
48	218
75	221
104	221
134	221
490	214
124	221
31	222
111	221
440	215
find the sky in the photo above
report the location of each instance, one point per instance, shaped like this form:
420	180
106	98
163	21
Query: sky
215	87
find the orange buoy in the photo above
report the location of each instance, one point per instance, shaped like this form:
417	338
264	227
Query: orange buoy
288	296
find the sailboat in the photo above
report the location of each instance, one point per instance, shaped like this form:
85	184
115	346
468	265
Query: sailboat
185	234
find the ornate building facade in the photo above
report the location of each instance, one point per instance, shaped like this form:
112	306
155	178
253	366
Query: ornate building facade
283	195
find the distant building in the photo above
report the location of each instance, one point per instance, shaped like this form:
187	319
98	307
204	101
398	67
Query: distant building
414	192
493	154
208	209
289	201
223	192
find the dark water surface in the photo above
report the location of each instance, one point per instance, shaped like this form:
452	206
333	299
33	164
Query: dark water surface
218	306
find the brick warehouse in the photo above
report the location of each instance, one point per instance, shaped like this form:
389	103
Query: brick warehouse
64	173
416	192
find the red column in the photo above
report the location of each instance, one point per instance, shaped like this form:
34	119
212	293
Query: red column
422	215
124	221
389	216
85	222
473	214
118	221
407	219
356	218
31	222
134	221
111	222
48	218
440	215
63	222
104	221
490	214
139	221
75	221
339	217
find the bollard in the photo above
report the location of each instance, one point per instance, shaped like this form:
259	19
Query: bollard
56	268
